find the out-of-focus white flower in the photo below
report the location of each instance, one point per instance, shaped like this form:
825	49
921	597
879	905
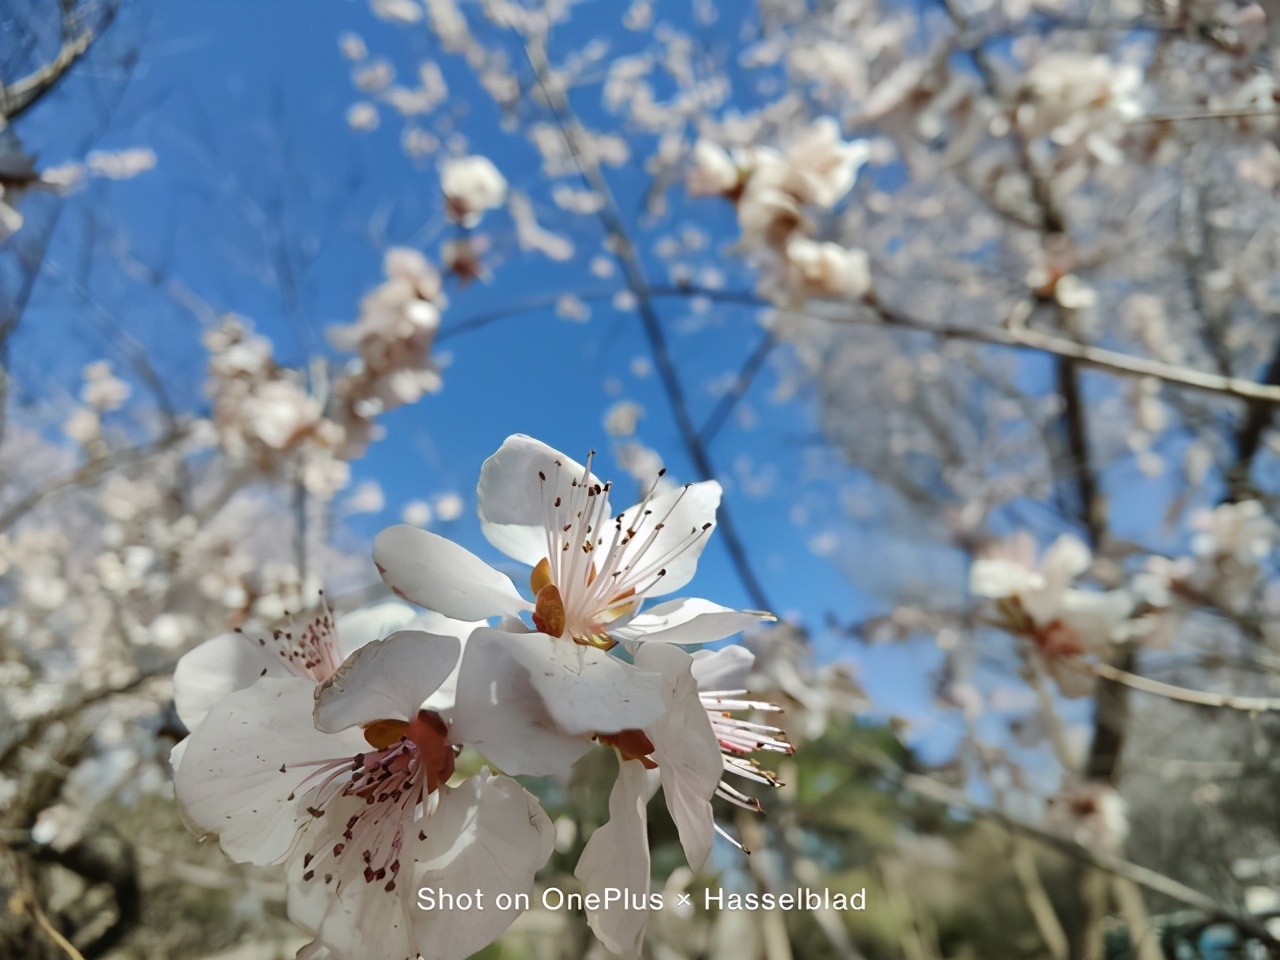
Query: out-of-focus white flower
1073	293
1092	814
1039	602
120	164
1076	98
620	419
103	390
352	46
418	513
366	498
471	185
392	338
1240	531
714	173
1230	542
279	412
532	235
825	270
449	506
83	426
398	11
823	165
363	116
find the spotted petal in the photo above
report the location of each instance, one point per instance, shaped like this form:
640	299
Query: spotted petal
487	835
241	771
511	495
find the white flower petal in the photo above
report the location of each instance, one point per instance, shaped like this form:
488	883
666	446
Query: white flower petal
511	493
431	622
1095	615
349	917
1000	578
436	573
617	856
217	667
723	669
584	688
499	712
490	835
686	750
230	778
1066	558
373	622
688	620
683	513
386	680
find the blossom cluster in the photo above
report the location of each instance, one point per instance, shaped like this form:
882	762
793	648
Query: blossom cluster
772	190
335	746
268	417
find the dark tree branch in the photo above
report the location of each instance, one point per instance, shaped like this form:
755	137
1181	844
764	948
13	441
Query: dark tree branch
741	384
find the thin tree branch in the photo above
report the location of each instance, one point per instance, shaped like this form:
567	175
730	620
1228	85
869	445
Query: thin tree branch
22	94
1169	691
741	384
30	902
1038	902
36	724
1142	876
1014	337
91	471
527	305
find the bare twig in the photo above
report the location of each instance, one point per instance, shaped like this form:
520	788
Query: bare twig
86	474
1038	902
1169	691
1018	338
1142	876
30	901
527	305
741	384
36	724
21	95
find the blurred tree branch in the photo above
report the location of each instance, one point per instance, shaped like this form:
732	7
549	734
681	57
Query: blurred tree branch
21	95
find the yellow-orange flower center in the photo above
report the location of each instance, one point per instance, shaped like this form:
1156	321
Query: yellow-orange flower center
631	745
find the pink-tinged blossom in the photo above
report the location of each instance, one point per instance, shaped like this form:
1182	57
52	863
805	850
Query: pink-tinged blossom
311	648
348	783
721	676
